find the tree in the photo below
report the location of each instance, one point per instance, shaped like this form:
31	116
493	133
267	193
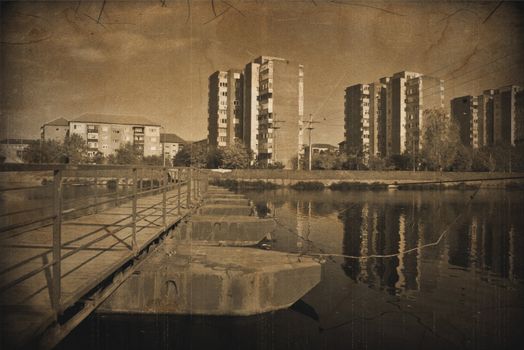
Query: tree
214	158
126	154
74	149
481	160
328	161
153	160
48	151
196	156
182	158
376	163
440	140
463	159
276	165
399	162
234	156
354	159
99	158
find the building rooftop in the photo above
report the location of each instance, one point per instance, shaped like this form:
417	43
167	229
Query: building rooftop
323	145
58	122
171	138
114	119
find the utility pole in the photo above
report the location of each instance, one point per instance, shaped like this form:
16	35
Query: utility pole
275	128
163	151
413	152
310	128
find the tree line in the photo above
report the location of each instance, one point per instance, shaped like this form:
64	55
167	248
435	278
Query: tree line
73	150
442	151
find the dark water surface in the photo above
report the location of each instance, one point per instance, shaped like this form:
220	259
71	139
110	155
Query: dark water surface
466	292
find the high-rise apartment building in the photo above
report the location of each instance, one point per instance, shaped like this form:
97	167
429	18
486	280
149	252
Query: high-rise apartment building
465	112
250	107
363	120
387	117
422	93
280	111
492	118
225	107
485	115
396	131
263	106
519	124
505	115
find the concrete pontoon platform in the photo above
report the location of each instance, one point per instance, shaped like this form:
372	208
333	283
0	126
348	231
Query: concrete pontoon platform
206	280
226	230
227	201
226	209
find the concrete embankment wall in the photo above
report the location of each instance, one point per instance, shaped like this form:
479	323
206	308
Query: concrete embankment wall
328	177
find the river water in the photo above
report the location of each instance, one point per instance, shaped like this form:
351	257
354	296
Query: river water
464	291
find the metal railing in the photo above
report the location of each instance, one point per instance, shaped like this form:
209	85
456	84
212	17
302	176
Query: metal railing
104	187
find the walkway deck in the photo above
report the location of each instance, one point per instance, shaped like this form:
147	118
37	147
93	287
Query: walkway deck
26	307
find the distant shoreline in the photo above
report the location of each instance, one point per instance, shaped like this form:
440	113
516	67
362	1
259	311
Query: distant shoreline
368	180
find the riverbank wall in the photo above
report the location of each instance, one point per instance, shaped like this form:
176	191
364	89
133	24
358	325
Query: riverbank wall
365	179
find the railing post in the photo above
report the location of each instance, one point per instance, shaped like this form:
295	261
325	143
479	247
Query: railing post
135	185
197	184
117	197
179	187
96	191
164	195
141	178
57	239
188	184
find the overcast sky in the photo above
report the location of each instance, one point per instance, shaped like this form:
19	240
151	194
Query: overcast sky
147	59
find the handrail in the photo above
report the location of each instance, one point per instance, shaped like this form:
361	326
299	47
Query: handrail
166	179
39	187
6	167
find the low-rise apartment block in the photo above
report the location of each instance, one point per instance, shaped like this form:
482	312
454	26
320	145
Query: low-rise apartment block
106	133
56	130
12	150
171	144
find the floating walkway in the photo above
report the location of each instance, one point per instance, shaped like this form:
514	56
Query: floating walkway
211	267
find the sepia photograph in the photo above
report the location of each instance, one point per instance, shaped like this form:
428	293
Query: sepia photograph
262	174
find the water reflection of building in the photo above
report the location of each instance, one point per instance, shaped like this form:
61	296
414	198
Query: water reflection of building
495	238
489	239
303	210
382	230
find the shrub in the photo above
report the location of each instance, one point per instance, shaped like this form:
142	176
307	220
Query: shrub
308	186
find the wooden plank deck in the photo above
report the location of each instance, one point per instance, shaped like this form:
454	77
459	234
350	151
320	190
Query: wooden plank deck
25	308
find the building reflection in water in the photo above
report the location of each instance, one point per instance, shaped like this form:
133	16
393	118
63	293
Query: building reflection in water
487	238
